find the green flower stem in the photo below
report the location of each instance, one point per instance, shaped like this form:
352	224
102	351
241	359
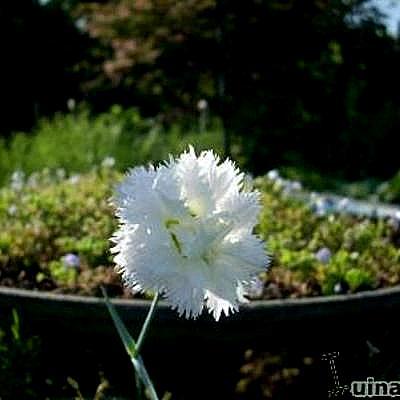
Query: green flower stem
142	336
145	327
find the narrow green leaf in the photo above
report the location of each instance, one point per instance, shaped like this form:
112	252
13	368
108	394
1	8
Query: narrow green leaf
126	338
139	387
15	327
144	376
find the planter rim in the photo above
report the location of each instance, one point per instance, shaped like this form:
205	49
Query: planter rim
295	321
253	304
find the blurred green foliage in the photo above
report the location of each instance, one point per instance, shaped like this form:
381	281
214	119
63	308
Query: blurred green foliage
311	83
18	361
77	141
23	374
390	191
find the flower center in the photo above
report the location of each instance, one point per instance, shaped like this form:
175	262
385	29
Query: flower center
169	223
192	240
208	256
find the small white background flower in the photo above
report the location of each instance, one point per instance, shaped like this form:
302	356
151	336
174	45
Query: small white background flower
186	232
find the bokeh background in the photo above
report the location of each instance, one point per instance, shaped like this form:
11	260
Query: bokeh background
309	87
312	85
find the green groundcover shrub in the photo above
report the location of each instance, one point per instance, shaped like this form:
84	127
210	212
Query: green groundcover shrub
56	229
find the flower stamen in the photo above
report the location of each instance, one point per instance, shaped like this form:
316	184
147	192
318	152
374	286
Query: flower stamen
175	241
168	224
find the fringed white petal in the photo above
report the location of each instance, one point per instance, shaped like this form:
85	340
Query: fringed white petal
186	231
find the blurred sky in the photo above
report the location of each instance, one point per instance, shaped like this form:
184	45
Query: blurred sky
392	9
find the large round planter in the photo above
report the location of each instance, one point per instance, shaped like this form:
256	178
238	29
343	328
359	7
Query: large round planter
78	335
308	320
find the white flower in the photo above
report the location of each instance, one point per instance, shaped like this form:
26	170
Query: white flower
186	232
17	180
108	162
273	175
12	210
202	105
60	173
74	179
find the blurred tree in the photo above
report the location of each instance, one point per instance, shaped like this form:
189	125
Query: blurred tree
41	46
164	52
312	82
